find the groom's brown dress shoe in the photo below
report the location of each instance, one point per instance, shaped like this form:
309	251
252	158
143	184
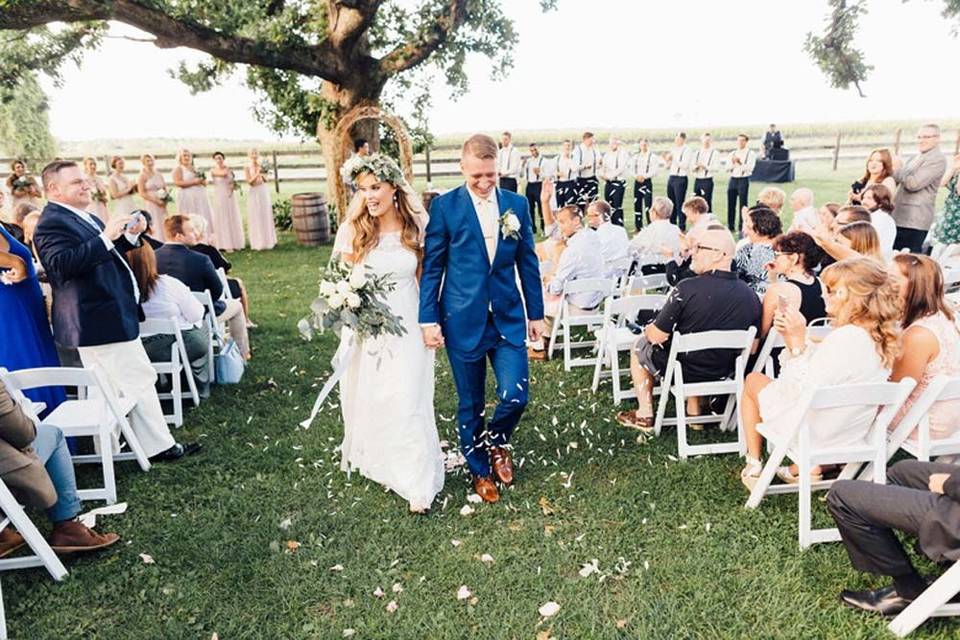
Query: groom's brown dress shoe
502	465
486	489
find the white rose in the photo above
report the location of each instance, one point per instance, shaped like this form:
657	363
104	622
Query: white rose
327	288
513	222
353	300
343	287
335	301
358	278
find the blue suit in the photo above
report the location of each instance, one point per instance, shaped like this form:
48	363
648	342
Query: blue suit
480	310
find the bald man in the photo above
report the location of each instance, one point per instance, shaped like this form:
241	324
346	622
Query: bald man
805	216
715	300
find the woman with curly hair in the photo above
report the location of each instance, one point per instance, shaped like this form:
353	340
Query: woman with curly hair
863	303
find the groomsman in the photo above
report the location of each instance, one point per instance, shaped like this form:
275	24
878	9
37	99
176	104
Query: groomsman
566	176
616	164
534	168
741	163
508	163
646	164
587	159
706	161
679	159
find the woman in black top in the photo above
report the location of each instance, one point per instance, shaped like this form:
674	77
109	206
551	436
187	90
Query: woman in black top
796	255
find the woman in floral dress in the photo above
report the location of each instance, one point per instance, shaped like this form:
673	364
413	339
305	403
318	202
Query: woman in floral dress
948	228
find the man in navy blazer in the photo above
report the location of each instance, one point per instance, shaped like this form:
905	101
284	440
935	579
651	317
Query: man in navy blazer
478	241
96	298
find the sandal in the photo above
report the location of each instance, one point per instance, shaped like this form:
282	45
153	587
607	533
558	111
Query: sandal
787	476
751	473
629	419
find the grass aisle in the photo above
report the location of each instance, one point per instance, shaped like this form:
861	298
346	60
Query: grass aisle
261	535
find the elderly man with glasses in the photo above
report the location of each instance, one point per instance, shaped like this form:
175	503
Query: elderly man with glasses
918	180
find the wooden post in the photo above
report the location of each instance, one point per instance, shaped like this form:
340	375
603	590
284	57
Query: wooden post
276	173
896	142
836	151
426	153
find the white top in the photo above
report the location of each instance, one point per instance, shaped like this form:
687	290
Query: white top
583	258
173	299
566	168
647	164
701	225
650	241
805	220
680	159
615	246
540	163
887	230
508	162
616	164
488	213
709	158
586	160
748	160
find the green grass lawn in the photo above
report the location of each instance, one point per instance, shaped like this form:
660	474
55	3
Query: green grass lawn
678	556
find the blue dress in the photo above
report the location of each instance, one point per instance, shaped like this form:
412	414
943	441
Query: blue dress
26	340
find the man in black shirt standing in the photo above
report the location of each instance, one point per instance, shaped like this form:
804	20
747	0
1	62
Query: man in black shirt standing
714	300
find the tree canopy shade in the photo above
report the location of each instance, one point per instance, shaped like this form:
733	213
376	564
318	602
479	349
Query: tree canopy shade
24	123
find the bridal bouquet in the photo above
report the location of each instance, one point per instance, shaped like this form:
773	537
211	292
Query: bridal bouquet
234	184
164	196
201	174
21	183
352	297
98	195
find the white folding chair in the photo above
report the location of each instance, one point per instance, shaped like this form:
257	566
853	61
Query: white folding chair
614	338
97	413
571	316
933	602
673	384
795	444
43	555
217	332
179	363
943	253
226	285
764	362
652	283
621	274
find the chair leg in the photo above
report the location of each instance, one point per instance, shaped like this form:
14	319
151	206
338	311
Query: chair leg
134	443
19	519
598	365
177	392
682	448
106	457
934	597
567	355
766	475
3	618
615	375
662	404
805	497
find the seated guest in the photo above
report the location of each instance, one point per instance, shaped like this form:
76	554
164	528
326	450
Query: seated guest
838	246
22	211
236	286
659	241
791	276
862	238
700	219
878	200
581	258
698	215
148	235
760	228
613	238
165	297
862	303
548	250
35	465
920	499
931	343
805	216
772	198
714	300
195	270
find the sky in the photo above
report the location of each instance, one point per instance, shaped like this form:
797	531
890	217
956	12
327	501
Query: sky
592	63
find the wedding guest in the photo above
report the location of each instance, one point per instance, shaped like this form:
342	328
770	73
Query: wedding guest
615	166
861	238
837	245
791	276
714	300
931	342
361	149
95	301
121	188
192	191
260	226
22	186
772	198
760	228
153	191
863	306
772	139
29	227
805	217
196	271
148	235
646	165
706	162
567	171
13	228
533	172
918	180
679	159
700	219
237	289
98	190
226	213
22	211
741	163
508	163
659	241
878	200
879	171
613	238
36	466
587	160
947	230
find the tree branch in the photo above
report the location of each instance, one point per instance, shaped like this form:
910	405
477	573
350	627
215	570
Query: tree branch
348	20
412	53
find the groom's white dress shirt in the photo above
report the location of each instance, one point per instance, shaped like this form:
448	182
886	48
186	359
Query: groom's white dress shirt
488	213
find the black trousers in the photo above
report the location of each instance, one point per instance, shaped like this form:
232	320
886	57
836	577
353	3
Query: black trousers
867	515
588	190
737	189
613	191
566	192
677	192
703	187
642	200
911	239
510	184
533	199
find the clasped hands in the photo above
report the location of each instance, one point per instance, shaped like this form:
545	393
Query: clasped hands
433	334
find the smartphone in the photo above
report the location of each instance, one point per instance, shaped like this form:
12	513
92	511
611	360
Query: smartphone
782	304
137	217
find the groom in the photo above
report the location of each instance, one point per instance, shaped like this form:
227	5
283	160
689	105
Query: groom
478	240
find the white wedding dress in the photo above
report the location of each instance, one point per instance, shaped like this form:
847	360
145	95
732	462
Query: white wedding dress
386	394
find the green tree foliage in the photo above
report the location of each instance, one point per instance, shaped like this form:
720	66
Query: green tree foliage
24	125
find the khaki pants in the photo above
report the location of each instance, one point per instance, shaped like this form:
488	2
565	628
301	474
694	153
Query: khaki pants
236	324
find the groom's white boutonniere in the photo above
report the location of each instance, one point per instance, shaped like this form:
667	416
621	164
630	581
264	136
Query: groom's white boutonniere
510	225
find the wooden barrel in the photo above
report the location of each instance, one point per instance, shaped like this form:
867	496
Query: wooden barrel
310	220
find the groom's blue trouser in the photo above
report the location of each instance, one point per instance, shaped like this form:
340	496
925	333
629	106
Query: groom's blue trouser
470	375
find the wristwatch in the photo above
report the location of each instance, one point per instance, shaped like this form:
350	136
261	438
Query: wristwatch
796	351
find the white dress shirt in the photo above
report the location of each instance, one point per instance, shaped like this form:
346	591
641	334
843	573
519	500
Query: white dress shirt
748	160
647	164
680	158
887	231
650	241
586	161
488	213
616	165
508	162
566	168
805	220
615	246
173	299
583	258
532	163
709	158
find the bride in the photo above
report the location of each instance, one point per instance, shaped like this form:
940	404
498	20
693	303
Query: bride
386	393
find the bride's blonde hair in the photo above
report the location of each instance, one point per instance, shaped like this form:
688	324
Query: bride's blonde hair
366	228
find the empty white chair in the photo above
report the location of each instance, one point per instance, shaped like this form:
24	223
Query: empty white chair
795	444
933	602
614	338
674	384
570	317
179	363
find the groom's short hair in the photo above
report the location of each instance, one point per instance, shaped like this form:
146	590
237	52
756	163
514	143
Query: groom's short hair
480	146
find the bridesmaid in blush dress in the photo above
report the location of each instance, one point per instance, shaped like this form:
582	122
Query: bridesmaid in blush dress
121	188
263	235
154	192
226	213
22	186
98	190
191	189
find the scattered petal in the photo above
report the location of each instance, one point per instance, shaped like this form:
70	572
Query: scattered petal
392	606
549	609
147	559
456	542
397	587
463	592
378	592
285	523
336	567
348	633
486	558
589	568
474	499
466	510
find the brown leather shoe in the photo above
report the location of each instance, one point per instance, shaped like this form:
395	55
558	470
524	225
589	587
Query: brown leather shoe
10	541
502	464
486	489
75	537
536	354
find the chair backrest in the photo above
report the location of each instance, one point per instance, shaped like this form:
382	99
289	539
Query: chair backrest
732	339
226	285
951	279
602	285
651	281
887	396
89	378
167	326
206	300
628	307
940	389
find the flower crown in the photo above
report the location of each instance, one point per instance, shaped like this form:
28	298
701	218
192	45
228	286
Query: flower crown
384	168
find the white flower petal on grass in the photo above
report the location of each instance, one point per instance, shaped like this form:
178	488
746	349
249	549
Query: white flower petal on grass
463	592
286	523
589	568
486	557
466	510
474	499
392	606
348	633
336	567
456	542
397	587
549	609
378	592
147	559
